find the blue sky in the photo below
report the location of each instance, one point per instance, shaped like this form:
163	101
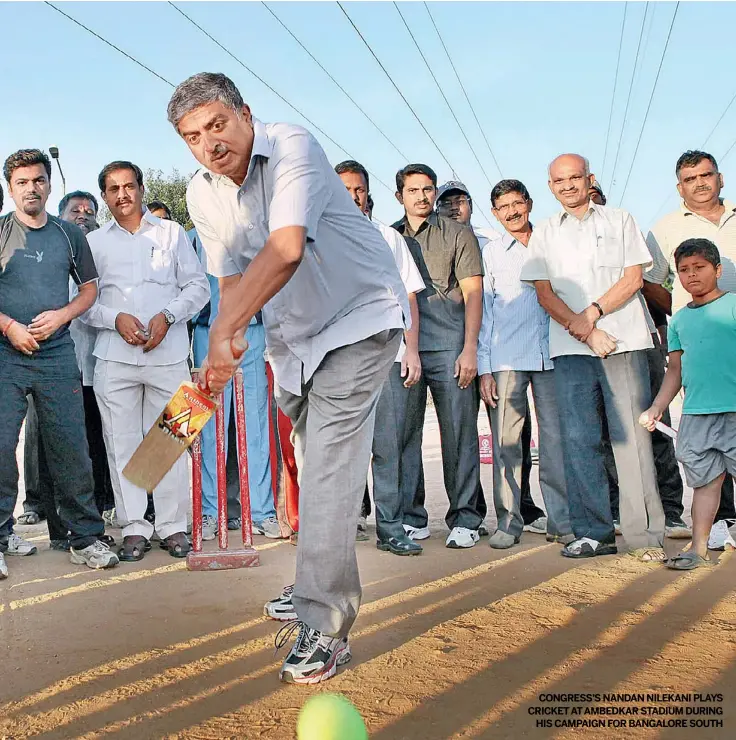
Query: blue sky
540	76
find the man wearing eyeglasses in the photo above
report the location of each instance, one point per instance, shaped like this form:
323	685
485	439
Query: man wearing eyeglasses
450	313
454	201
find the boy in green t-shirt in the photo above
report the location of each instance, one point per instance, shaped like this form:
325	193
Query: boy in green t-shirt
702	352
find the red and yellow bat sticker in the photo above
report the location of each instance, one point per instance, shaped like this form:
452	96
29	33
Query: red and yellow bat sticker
186	413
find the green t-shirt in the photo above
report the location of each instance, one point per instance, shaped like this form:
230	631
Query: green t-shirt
707	337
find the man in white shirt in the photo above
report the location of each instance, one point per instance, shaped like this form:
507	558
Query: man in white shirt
390	431
455	202
151	283
283	235
513	355
702	214
586	263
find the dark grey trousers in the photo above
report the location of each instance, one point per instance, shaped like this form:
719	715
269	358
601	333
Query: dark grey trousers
457	414
57	392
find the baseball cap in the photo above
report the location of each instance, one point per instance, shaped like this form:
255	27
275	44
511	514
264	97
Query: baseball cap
450	186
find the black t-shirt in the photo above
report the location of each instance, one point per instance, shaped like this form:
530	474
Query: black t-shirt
35	266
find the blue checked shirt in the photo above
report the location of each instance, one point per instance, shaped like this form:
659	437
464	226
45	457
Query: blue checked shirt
514	334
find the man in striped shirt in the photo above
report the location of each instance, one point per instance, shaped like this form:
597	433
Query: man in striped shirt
513	354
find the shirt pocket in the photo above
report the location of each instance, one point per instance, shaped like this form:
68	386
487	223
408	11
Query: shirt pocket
610	249
160	264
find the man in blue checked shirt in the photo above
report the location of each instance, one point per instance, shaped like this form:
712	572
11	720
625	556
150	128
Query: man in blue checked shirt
513	354
256	423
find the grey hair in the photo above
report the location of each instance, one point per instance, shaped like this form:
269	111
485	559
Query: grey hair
202	89
571	154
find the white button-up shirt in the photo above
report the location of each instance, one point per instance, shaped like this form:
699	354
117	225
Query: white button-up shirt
583	259
142	274
485	234
514	334
668	233
408	270
84	337
347	287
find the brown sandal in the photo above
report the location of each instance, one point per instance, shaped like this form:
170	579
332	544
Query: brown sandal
177	544
134	547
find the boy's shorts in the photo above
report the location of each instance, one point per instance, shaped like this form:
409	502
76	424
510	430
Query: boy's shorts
706	447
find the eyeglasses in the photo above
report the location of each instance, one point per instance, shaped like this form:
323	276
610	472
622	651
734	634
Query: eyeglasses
506	207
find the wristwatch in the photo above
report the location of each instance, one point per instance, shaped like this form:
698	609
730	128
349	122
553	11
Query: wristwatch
600	310
168	316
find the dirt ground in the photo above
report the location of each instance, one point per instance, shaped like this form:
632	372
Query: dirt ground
453	644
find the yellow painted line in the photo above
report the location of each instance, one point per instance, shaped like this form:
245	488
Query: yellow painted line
38	722
104	582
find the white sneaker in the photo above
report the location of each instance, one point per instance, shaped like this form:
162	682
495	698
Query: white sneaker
462	537
720	536
209	527
416	533
314	657
538	526
18	546
3	568
362	523
97	555
268	527
108	516
281	608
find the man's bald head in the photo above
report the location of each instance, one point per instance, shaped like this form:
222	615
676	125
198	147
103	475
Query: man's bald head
570	180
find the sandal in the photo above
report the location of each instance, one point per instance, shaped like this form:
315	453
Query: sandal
649	554
134	547
177	544
688	560
28	518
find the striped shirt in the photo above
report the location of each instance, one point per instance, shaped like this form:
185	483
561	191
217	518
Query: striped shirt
514	334
668	233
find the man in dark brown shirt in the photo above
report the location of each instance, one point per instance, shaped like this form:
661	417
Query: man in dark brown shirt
450	311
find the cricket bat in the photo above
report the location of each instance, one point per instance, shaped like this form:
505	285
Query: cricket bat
178	425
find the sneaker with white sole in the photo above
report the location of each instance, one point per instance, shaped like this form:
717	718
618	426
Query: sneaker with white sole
720	536
462	537
18	546
96	556
3	567
282	608
268	527
538	526
362	523
314	657
209	527
416	533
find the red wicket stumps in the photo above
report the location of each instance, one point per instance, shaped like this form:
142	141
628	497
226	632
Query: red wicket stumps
223	558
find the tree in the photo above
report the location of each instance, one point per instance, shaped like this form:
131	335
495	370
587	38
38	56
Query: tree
171	189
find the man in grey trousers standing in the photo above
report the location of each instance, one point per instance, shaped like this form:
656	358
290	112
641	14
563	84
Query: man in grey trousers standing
283	235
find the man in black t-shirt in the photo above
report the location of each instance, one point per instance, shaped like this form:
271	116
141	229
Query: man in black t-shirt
38	253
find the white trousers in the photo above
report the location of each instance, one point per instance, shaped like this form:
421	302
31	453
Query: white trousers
130	398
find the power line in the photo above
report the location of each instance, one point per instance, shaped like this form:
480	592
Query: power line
344	91
462	87
718	122
396	87
109	43
628	99
278	95
444	97
651	98
613	96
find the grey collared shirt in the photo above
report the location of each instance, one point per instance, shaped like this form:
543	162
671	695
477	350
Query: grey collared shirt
347	287
446	253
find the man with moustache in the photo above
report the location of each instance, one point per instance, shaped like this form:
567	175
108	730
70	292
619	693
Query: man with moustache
702	214
454	201
390	429
513	355
151	283
38	254
283	236
450	313
586	264
79	208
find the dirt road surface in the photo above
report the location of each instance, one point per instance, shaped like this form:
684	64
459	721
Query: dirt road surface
453	644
